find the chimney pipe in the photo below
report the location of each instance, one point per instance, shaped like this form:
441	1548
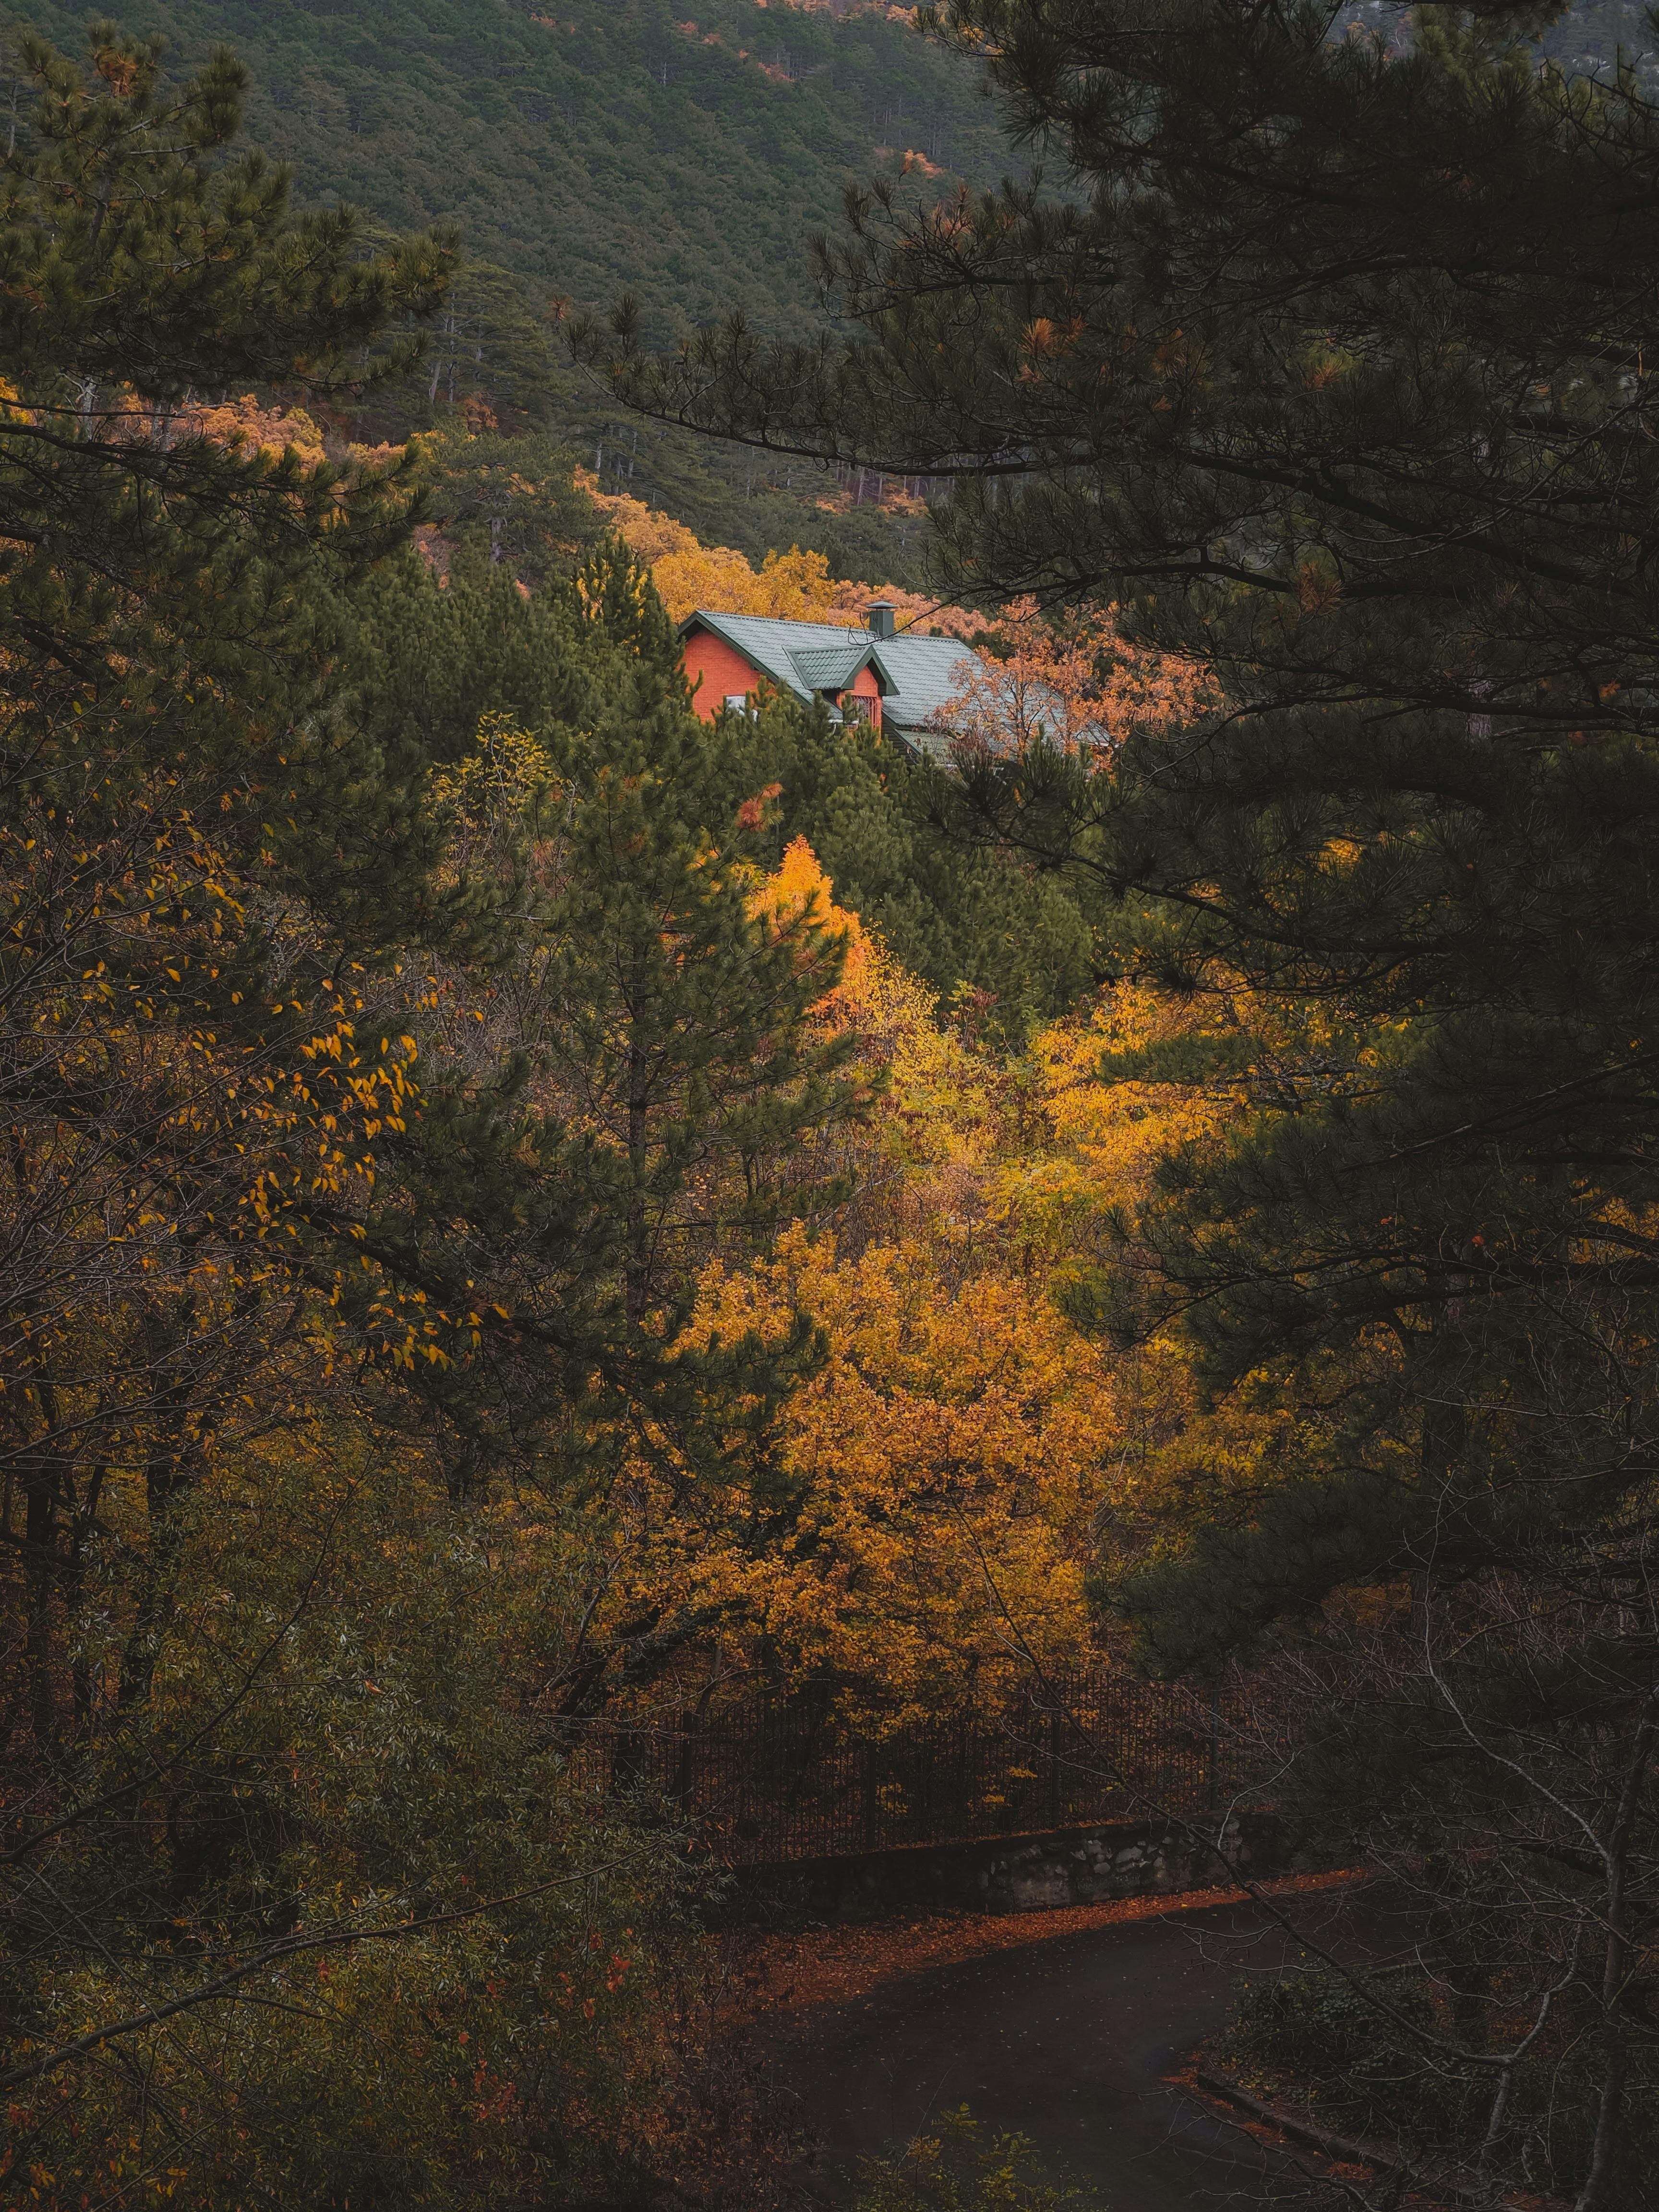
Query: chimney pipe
879	618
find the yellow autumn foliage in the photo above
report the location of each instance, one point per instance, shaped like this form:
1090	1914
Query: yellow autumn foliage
689	574
799	889
942	1465
933	1495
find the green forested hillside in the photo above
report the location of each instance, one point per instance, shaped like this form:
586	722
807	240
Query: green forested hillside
589	144
679	150
1594	34
587	148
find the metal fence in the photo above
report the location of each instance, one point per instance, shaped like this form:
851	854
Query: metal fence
779	1779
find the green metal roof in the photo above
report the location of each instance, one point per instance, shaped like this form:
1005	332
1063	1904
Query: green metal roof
829	667
928	672
918	675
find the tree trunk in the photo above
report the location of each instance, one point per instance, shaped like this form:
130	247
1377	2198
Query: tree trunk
637	1288
1602	2180
39	1487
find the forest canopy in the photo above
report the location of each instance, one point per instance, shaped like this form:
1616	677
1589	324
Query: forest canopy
433	1059
1331	377
679	151
539	1224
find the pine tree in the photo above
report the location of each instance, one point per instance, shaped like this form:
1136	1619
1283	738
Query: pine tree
271	1166
676	1020
189	831
956	913
624	1076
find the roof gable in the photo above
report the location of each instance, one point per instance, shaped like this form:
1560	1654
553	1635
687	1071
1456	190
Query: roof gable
829	667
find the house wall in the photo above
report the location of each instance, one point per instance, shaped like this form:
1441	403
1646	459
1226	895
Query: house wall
725	672
723	669
865	686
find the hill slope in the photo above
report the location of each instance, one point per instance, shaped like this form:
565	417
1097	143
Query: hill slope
589	147
590	144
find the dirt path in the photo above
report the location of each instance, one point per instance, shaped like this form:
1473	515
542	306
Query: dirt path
1067	2033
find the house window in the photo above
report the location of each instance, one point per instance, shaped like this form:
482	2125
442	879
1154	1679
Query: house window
856	707
737	700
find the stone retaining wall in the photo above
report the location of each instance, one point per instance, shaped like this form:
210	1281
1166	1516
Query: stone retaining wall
1007	1874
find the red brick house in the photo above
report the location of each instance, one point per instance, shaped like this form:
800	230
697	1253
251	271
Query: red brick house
896	680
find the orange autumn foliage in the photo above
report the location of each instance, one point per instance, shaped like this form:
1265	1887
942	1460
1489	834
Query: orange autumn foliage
1073	684
791	586
798	888
261	430
890	9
